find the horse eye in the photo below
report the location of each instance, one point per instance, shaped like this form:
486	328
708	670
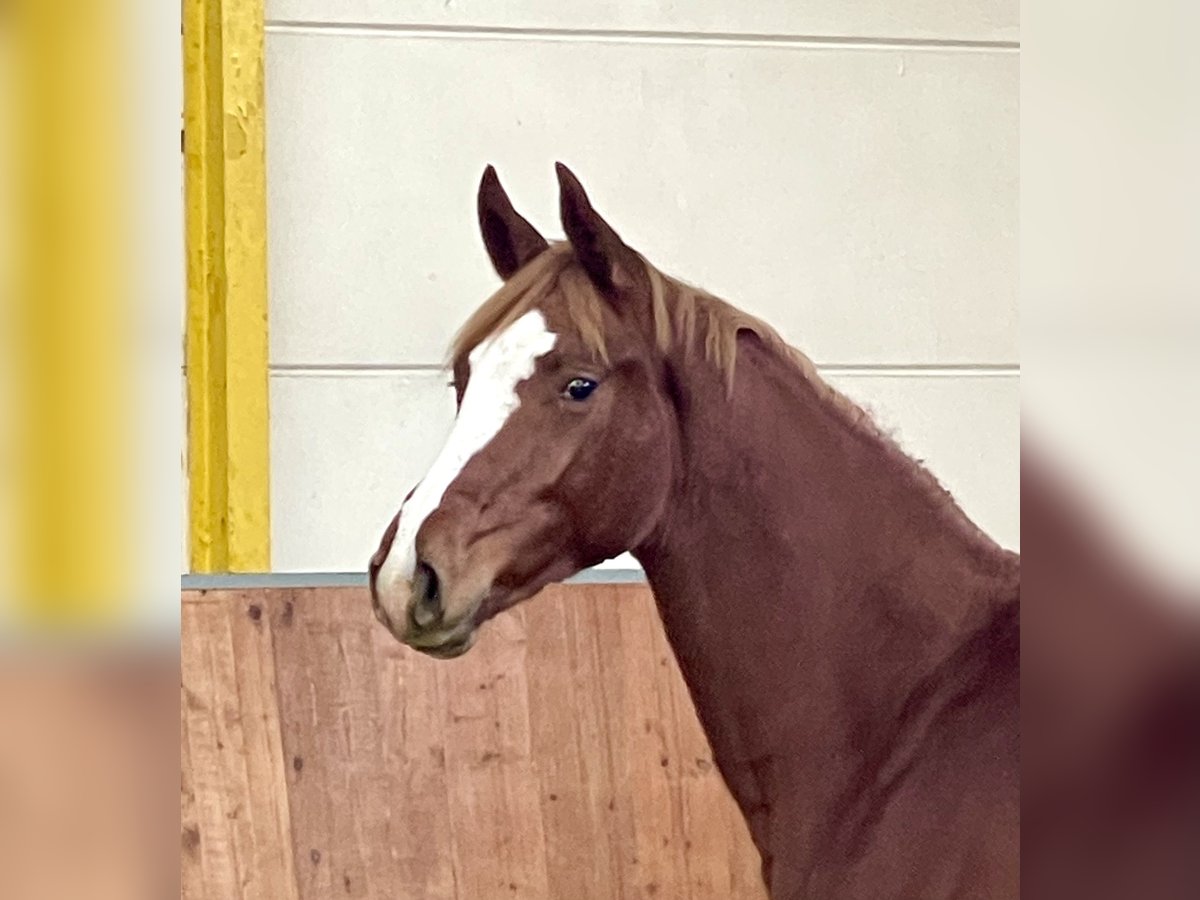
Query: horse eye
580	388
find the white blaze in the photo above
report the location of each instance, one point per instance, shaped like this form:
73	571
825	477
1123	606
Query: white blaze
498	365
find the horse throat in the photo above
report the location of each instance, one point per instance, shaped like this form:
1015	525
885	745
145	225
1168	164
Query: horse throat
810	577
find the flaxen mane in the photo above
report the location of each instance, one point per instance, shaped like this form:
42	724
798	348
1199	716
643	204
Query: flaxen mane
683	314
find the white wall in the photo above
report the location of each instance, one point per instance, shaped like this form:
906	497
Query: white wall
848	171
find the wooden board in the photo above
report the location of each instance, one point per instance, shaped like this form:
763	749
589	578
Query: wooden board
235	825
560	758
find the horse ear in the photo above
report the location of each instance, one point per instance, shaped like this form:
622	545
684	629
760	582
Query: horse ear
608	261
510	240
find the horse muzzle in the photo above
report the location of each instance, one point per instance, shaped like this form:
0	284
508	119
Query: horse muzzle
416	613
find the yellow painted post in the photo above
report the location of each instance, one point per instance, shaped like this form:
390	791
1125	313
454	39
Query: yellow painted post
67	459
228	453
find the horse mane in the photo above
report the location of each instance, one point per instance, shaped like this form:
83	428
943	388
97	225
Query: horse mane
683	315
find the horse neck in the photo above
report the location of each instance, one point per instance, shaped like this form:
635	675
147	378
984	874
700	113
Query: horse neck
809	577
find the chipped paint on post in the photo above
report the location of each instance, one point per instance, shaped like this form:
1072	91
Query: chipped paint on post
228	454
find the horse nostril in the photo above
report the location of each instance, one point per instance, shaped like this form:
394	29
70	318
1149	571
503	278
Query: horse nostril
427	593
427	578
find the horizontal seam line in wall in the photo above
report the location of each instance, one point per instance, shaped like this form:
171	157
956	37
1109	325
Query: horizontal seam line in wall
944	369
615	35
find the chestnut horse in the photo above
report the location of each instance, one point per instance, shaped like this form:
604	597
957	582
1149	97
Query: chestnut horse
849	637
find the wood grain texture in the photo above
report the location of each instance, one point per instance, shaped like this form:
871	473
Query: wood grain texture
234	807
560	758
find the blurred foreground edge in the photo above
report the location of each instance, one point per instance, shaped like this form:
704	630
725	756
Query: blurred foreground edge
1110	710
88	774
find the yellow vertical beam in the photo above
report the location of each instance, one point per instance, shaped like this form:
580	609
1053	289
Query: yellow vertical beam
228	454
66	355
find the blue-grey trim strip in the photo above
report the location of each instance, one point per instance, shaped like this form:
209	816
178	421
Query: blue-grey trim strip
258	580
254	580
609	576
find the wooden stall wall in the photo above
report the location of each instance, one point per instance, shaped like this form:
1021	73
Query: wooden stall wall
560	758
